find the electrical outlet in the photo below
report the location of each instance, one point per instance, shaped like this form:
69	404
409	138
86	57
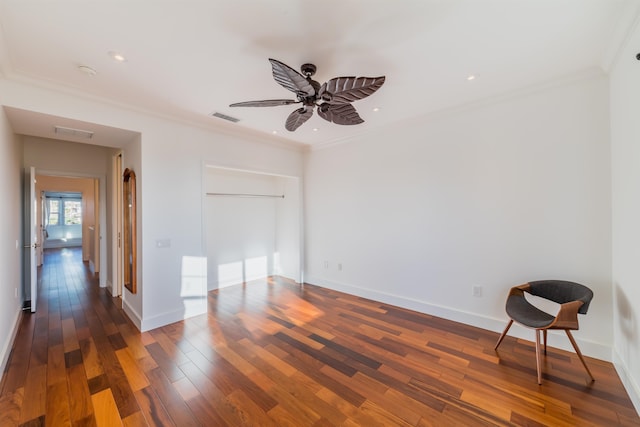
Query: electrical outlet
326	264
477	291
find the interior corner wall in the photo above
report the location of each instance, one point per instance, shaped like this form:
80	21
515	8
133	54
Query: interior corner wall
625	138
11	252
493	195
289	229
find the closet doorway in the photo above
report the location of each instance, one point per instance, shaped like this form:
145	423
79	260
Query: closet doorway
252	225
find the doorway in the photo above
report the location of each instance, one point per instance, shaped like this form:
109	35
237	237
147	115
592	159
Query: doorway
68	215
61	219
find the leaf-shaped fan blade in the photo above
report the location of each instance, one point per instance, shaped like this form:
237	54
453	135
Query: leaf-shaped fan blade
291	79
341	114
265	103
297	118
342	90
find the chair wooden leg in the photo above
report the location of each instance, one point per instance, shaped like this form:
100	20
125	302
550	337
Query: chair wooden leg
579	353
538	356
544	334
504	334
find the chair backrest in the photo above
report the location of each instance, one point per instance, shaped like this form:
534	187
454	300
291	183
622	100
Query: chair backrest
561	291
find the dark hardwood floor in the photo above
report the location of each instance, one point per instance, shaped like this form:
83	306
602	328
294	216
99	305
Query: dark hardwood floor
271	353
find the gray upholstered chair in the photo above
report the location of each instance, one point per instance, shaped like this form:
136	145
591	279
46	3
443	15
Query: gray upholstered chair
573	298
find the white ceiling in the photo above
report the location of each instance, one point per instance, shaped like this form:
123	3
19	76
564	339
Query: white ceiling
187	59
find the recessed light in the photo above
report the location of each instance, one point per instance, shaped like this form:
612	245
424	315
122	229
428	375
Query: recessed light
315	129
117	56
87	70
275	132
471	77
376	109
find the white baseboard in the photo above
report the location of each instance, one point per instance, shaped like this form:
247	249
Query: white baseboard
630	385
555	338
161	320
221	285
294	279
218	285
132	314
196	307
8	344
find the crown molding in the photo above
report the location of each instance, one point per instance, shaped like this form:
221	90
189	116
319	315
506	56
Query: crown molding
560	81
629	22
207	123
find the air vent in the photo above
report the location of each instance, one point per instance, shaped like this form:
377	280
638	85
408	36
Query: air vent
61	130
225	117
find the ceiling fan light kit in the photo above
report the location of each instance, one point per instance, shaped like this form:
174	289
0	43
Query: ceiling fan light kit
333	98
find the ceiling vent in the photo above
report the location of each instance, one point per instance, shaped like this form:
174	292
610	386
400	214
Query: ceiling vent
79	133
225	117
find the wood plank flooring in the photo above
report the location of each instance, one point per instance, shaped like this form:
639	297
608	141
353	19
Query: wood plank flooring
272	353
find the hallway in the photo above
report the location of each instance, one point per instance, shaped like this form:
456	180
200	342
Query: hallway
57	350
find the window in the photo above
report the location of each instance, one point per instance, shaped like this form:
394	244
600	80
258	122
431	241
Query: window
64	212
72	212
54	212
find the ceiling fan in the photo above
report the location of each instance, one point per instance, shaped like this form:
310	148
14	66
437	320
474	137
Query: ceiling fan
333	98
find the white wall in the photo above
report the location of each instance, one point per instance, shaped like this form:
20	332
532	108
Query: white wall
170	186
625	138
493	195
10	236
63	156
289	229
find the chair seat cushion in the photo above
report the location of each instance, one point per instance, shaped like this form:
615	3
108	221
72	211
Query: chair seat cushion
523	312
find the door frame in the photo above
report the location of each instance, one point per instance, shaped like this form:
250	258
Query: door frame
30	242
116	229
100	204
